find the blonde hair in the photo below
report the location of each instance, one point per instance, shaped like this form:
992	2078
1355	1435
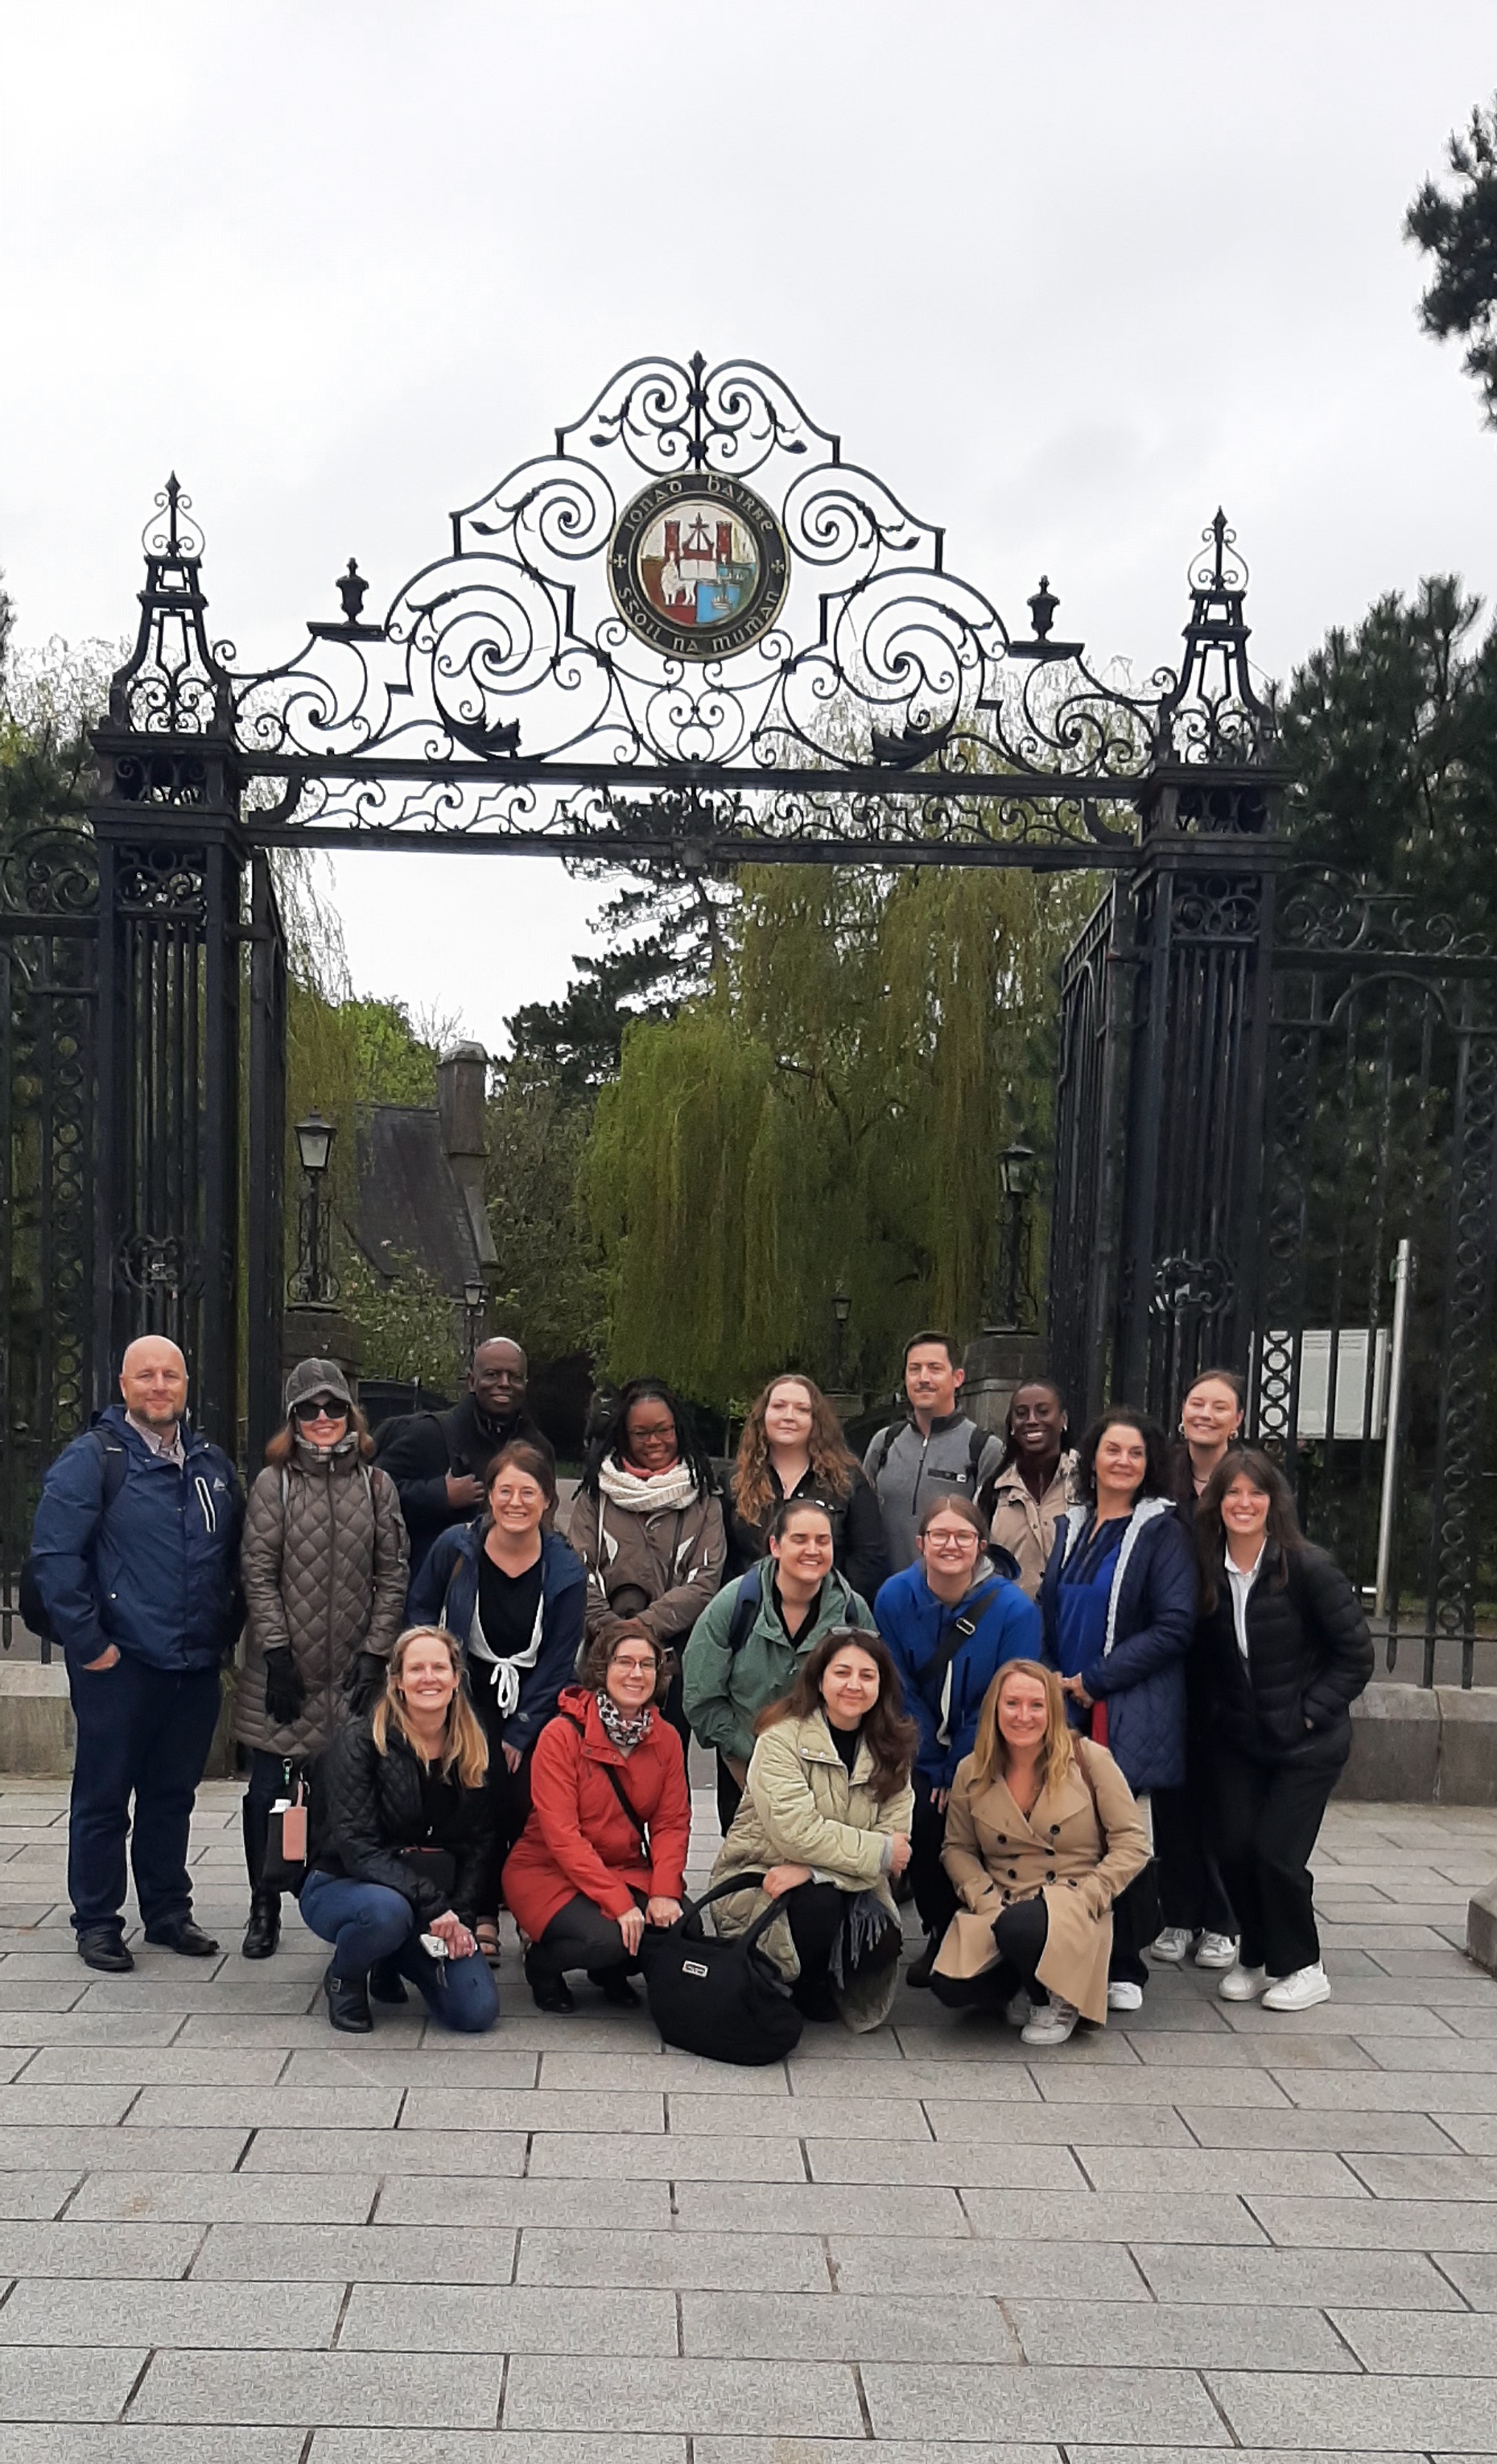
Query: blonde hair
465	1748
990	1751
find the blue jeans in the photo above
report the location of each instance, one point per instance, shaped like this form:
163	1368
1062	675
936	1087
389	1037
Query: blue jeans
368	1924
142	1733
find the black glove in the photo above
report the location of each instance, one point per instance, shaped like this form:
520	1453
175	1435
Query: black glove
366	1682
285	1686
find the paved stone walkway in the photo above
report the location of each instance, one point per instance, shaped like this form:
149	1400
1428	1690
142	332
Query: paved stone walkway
229	2236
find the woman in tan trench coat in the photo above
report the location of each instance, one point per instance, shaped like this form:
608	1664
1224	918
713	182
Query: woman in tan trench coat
1042	1835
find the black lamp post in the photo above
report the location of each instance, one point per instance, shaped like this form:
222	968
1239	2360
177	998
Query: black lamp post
1017	1171
311	1282
842	1310
473	1297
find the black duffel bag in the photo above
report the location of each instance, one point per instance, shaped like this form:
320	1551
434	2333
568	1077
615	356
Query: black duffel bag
725	1999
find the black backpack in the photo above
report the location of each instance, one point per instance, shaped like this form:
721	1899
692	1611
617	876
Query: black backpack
724	1999
29	1600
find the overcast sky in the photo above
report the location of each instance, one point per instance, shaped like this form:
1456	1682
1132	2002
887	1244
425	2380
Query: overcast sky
1064	278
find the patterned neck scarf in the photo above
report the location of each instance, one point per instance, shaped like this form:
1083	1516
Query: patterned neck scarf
624	1729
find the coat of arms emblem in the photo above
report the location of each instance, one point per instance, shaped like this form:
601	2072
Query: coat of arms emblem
698	566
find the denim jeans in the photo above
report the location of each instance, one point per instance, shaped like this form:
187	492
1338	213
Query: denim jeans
369	1924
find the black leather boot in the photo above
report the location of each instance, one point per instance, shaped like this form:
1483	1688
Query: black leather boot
262	1933
918	1972
347	2004
548	1991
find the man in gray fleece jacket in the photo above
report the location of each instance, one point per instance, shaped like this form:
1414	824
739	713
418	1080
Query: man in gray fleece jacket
937	1452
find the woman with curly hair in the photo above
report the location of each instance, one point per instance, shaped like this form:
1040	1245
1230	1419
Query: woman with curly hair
646	1523
792	1446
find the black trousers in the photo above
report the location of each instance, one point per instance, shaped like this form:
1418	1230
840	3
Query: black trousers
815	1913
730	1796
510	1793
1192	1893
580	1935
1268	1818
143	1740
935	1900
268	1780
1021	1934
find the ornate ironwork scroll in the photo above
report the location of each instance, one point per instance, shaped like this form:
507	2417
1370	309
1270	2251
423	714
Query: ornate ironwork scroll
694	590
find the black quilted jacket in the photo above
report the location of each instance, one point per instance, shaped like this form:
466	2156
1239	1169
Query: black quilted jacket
366	1806
1309	1657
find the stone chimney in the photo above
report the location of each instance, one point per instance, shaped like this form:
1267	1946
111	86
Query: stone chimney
462	1080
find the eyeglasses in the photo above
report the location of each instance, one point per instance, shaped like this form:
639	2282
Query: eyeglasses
320	1407
634	1668
950	1539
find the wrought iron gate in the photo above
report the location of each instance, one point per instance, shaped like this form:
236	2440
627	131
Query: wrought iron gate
695	625
49	913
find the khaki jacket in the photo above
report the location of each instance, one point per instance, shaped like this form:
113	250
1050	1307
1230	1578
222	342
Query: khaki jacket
994	1855
1026	1529
801	1807
324	1571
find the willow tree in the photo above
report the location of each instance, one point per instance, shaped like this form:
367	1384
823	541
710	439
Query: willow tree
829	1114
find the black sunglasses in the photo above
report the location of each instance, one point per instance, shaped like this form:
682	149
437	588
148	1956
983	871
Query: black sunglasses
318	1407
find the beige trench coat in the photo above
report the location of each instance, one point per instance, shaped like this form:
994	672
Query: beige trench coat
996	1854
801	1807
1026	1529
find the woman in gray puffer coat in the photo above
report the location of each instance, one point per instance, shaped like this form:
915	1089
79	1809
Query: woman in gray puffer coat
324	1567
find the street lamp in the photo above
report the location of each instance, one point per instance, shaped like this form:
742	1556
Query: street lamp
473	1297
842	1310
1018	1173
311	1283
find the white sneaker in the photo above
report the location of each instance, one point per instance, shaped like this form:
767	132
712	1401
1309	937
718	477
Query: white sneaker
1019	2011
1244	1984
1052	2025
1172	1946
1214	1951
1123	1996
1299	1992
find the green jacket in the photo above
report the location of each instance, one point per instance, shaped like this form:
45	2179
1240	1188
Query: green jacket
724	1691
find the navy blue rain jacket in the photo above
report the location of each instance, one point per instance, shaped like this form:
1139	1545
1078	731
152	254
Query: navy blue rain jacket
1150	1625
158	1572
914	1624
446	1593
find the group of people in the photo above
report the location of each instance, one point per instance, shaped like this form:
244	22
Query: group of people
1083	1706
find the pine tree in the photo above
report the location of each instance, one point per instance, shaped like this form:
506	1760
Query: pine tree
1460	232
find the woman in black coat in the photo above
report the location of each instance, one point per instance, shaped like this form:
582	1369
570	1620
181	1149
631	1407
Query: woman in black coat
402	1826
793	1446
1285	1652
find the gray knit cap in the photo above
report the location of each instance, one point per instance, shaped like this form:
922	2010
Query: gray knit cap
316	1377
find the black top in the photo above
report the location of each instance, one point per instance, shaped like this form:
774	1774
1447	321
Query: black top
508	1605
846	1742
808	1616
858	1532
367	1807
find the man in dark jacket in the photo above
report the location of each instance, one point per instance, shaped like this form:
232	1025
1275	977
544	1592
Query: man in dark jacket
136	1554
937	1452
437	1459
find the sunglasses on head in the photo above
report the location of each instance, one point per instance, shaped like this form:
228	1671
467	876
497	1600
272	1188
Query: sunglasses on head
320	1407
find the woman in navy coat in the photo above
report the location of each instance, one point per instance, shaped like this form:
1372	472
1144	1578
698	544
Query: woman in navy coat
1119	1602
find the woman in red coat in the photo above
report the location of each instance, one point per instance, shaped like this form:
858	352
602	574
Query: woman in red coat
603	1852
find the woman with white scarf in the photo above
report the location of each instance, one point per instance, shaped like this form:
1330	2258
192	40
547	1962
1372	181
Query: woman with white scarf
511	1591
648	1525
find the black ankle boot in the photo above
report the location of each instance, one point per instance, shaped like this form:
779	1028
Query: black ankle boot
918	1972
614	1986
262	1933
347	2004
548	1991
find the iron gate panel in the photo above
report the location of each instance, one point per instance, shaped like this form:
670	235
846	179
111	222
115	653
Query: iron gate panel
49	888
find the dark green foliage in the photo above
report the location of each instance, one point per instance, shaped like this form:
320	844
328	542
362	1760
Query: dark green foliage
547	1269
1391	735
664	943
1460	232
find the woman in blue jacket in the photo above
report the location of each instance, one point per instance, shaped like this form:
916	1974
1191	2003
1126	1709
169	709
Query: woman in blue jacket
513	1593
950	1621
1119	1602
